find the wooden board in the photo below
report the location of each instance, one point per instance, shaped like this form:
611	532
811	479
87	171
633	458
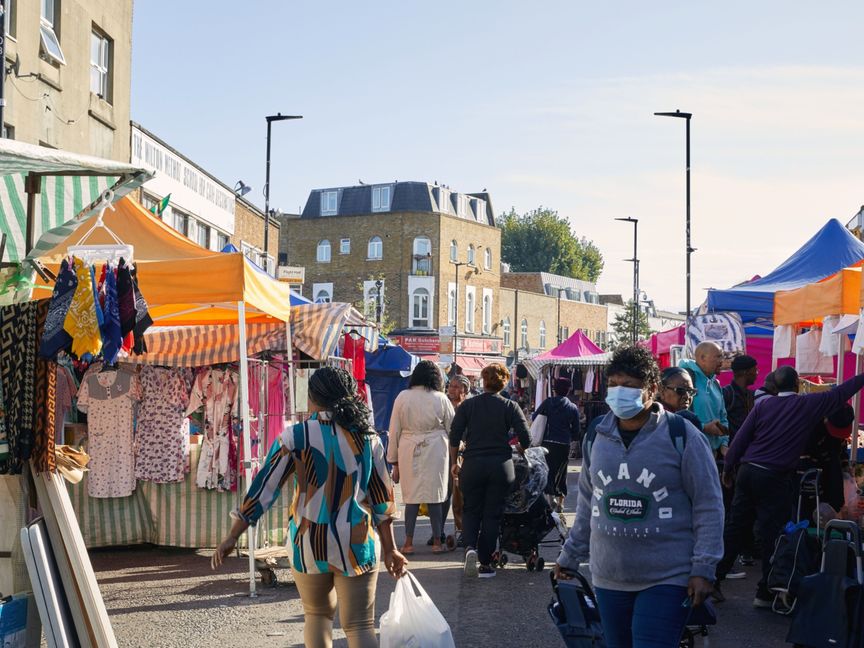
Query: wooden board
47	587
51	490
64	567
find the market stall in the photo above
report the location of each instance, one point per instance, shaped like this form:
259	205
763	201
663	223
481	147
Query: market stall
578	359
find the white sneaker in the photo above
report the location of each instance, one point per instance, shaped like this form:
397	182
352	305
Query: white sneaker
736	575
471	563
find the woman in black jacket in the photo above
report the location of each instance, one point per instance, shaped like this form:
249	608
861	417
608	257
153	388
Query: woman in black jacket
483	423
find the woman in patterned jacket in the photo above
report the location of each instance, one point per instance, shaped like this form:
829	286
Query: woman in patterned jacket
342	494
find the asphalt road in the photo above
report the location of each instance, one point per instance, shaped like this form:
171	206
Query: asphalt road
166	598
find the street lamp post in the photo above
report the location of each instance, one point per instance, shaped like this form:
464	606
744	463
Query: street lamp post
689	250
559	289
379	306
270	119
457	265
635	260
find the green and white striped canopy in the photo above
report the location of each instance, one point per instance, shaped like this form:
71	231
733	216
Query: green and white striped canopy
71	187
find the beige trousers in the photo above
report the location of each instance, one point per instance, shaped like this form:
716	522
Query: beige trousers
355	596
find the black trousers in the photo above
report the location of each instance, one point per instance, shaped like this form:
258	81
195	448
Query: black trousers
764	497
485	483
557	459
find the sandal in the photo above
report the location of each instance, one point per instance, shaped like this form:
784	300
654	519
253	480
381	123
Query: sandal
440	549
450	543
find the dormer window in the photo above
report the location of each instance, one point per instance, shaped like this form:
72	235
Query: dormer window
329	203
381	198
444	200
480	210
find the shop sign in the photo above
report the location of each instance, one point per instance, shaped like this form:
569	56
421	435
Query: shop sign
291	274
426	344
446	345
479	345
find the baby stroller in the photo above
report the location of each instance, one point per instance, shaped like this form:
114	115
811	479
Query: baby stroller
528	518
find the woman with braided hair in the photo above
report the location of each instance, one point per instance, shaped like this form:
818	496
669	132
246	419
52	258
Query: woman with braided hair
342	494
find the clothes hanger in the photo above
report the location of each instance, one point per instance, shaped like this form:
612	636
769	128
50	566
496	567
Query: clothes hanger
89	254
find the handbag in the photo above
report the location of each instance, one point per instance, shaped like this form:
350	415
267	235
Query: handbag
574	612
413	620
538	429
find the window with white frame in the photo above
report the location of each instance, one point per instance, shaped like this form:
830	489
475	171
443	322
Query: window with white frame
221	241
322	293
523	341
100	62
202	236
480	210
381	198
454	250
329	203
470	305
451	305
49	31
375	249
148	202
565	333
323	253
9	18
542	334
471	254
422	261
345	246
487	312
180	221
505	331
420	308
487	259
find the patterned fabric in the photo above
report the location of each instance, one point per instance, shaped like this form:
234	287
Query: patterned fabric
55	338
108	399
17	373
4	440
80	322
111	337
143	321
342	491
126	304
207	345
64	395
45	393
216	391
162	434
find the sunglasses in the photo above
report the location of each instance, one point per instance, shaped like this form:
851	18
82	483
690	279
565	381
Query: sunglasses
682	391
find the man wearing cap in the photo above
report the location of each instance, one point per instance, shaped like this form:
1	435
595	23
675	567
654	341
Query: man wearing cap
562	427
736	395
762	461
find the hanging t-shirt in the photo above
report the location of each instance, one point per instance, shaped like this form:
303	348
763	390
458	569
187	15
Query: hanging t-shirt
808	358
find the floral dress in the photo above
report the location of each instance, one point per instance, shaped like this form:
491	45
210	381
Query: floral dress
162	438
216	391
108	398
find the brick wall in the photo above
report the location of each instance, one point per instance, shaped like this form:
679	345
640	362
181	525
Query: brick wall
531	281
249	228
536	308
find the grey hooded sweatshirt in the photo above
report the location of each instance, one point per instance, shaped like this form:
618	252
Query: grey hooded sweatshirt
647	515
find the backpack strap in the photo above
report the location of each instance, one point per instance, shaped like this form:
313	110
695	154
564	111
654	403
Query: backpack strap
677	432
590	435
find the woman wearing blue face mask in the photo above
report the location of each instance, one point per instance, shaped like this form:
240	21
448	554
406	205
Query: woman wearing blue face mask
649	516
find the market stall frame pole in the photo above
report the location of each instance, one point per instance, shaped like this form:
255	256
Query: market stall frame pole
270	119
247	434
689	249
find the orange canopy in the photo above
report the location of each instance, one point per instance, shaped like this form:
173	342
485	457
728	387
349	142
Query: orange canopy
839	294
153	240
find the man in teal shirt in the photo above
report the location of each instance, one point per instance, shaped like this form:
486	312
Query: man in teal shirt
708	404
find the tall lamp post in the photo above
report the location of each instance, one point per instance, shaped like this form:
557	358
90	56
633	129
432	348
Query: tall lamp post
635	332
456	265
379	303
685	116
270	119
559	289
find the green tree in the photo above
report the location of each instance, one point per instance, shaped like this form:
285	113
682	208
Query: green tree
542	241
623	325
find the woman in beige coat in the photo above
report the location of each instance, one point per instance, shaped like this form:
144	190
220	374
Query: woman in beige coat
419	449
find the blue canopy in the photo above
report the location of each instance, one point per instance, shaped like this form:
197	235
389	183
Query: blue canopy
830	250
387	372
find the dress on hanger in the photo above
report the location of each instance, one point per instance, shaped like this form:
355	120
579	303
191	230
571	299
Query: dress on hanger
108	398
216	391
162	435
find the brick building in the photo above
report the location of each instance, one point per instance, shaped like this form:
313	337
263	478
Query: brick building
421	240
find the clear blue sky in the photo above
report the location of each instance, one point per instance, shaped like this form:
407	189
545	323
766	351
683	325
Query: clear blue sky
541	103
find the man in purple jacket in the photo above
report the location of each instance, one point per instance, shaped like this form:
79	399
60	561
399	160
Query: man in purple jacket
765	452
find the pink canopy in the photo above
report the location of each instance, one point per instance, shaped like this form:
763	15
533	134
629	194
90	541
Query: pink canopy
578	349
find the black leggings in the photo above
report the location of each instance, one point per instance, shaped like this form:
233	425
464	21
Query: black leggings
485	482
557	459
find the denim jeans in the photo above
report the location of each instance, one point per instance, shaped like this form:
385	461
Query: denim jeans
652	618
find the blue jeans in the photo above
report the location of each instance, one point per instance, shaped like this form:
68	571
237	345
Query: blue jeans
652	618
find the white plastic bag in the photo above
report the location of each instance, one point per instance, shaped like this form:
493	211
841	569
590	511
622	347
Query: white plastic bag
413	621
538	430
